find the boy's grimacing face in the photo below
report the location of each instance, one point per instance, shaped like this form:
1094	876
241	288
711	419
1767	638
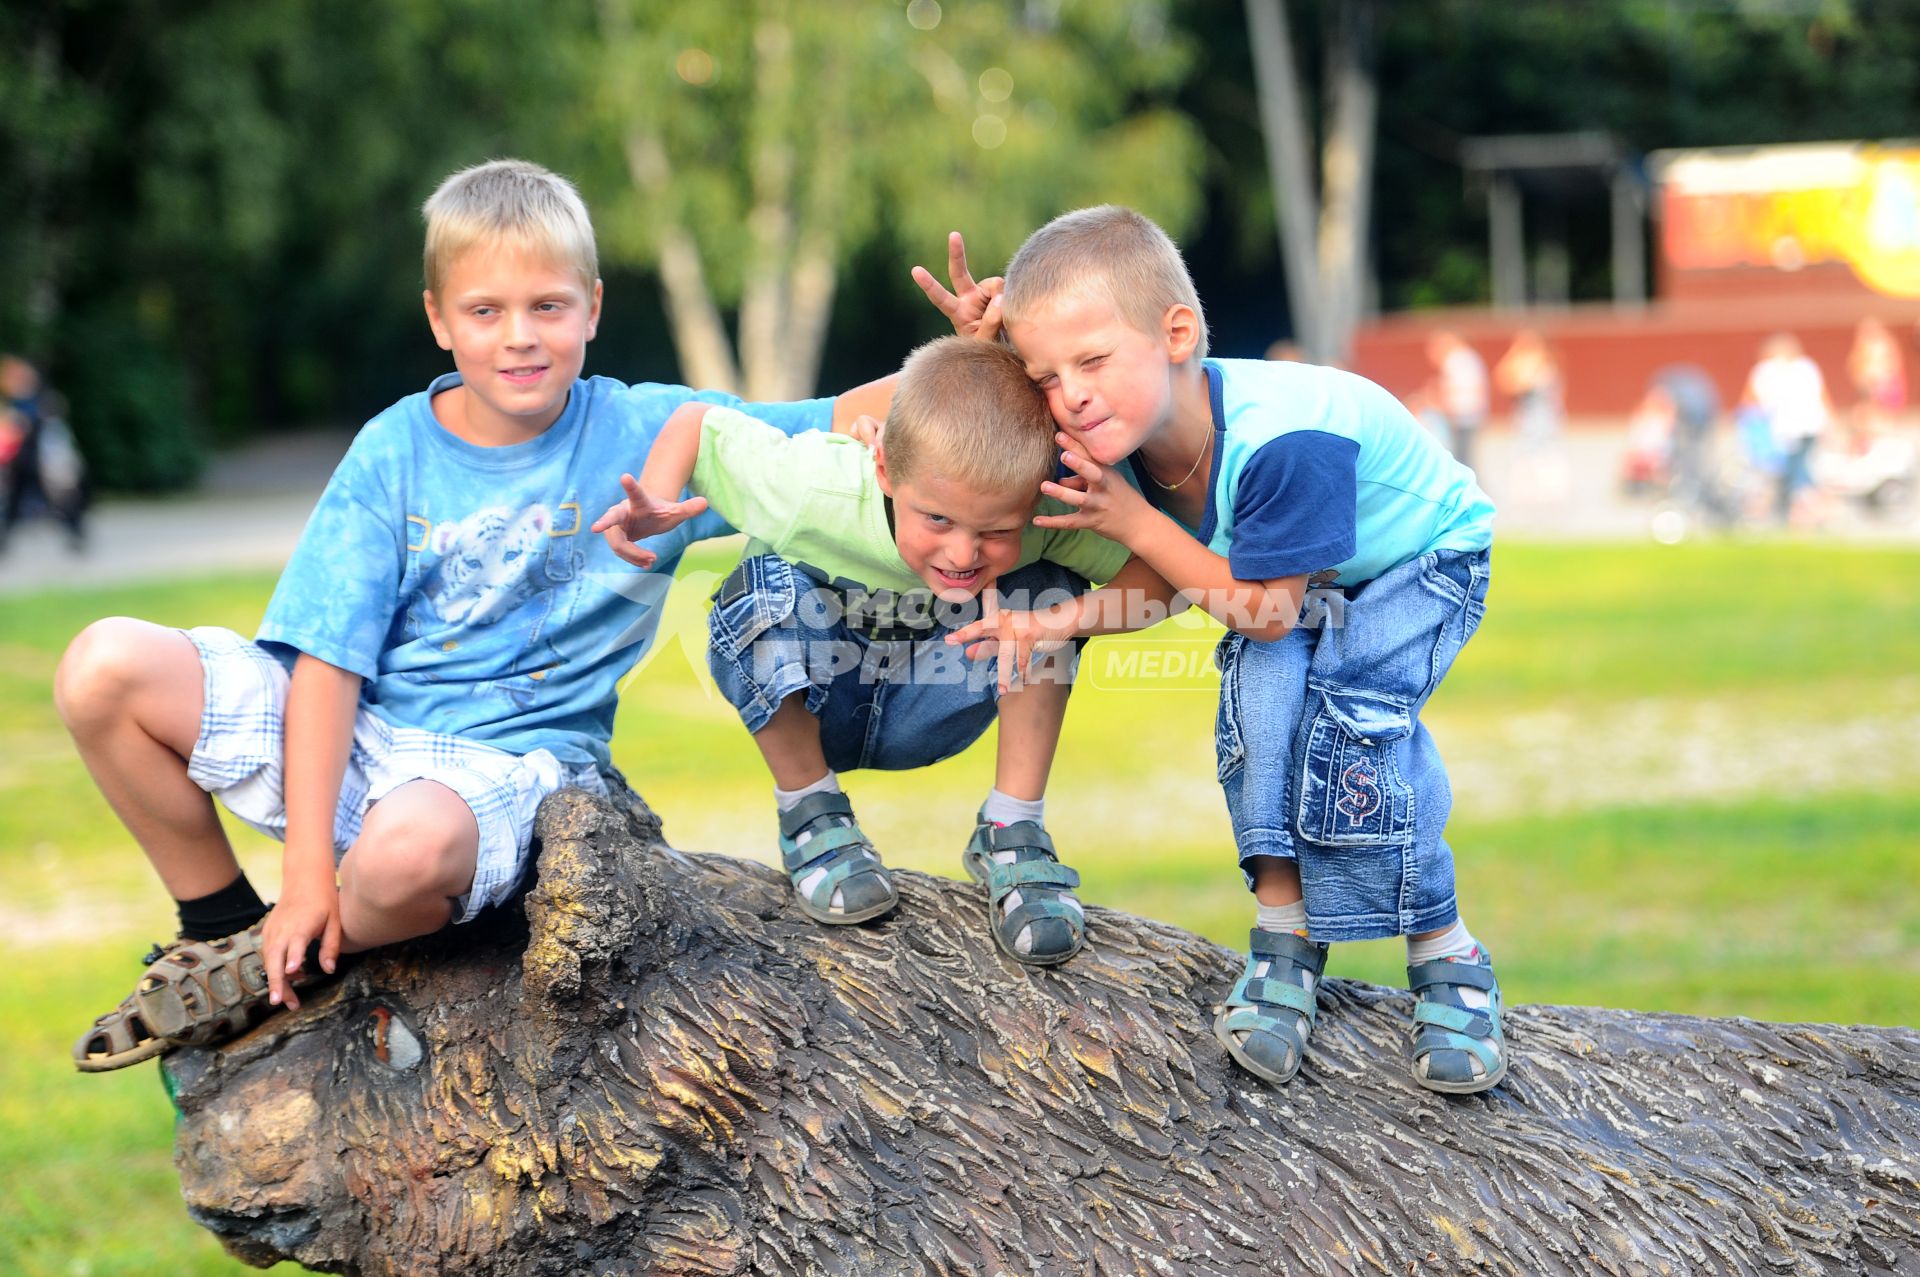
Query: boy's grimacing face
517	325
1108	385
956	539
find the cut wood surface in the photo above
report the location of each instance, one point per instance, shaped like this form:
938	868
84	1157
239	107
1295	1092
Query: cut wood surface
659	1066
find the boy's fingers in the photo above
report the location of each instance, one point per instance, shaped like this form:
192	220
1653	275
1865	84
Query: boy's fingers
990	322
614	516
276	978
957	263
1081	465
939	296
1075	497
631	484
692	506
967	633
330	946
1060	521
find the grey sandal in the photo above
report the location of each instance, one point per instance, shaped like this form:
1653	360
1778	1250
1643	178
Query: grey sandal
1457	1049
834	856
1054	921
1266	1021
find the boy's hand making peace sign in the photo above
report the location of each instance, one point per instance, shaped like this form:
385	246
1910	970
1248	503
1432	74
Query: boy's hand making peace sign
972	307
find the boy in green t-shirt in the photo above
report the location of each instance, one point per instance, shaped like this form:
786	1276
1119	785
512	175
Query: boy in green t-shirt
829	637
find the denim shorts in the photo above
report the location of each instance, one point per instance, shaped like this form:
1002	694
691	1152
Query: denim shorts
1324	758
239	759
886	703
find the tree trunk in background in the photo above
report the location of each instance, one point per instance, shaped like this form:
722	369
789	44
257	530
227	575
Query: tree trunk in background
766	298
699	336
659	1066
1347	175
1324	226
1283	121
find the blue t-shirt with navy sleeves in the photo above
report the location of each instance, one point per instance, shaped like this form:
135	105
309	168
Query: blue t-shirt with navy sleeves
1316	470
461	583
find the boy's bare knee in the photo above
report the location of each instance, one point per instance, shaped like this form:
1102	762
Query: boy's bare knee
101	667
412	854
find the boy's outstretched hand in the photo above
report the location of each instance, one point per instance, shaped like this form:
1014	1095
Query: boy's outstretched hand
640	516
1014	638
973	308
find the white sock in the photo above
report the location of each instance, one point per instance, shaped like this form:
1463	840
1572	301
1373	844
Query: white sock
1455	942
1283	918
786	800
1004	809
1291	917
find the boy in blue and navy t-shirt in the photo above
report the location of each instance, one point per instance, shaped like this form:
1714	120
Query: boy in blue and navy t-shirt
441	653
1241	483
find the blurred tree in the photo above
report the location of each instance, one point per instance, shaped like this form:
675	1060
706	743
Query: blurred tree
1324	224
748	151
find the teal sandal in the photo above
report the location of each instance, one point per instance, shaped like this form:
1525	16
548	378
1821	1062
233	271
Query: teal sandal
1055	922
834	857
1266	1021
1450	1038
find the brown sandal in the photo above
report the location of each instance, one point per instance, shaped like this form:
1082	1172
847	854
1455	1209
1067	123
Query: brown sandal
117	1039
200	991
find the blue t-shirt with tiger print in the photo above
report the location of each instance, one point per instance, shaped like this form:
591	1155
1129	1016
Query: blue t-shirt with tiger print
461	583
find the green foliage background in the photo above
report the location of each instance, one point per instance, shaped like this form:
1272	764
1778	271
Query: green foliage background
210	224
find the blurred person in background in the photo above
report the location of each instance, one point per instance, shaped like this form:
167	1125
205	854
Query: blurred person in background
1677	417
44	462
1878	373
1529	374
1460	387
1871	462
1787	388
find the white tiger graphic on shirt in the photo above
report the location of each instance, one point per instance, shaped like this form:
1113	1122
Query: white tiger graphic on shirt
488	563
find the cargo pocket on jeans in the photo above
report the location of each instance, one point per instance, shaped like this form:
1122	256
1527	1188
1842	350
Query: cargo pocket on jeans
1229	747
756	596
1351	789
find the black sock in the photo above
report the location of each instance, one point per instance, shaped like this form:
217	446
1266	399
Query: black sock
234	907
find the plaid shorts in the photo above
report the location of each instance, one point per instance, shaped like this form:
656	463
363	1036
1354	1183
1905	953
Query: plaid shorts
238	758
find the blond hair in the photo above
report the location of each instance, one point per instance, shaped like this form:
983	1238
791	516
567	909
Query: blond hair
1109	254
509	202
966	410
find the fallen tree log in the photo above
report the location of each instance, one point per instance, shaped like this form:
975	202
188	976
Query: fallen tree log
663	1068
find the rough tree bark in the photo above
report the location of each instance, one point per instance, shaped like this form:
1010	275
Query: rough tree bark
664	1068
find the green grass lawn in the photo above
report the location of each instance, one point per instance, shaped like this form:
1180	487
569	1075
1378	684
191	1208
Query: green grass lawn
1686	779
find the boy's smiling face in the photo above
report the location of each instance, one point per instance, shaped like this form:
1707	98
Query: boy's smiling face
517	325
1108	385
957	540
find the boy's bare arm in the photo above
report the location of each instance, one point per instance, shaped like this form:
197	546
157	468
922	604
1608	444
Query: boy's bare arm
871	400
1112	507
321	703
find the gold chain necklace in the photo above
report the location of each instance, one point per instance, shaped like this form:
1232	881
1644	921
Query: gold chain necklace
1195	469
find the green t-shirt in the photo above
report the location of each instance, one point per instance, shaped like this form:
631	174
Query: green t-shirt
815	500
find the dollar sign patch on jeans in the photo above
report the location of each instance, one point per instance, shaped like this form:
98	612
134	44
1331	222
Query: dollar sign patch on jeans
1360	795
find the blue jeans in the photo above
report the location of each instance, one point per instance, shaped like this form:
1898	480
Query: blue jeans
1324	758
888	703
